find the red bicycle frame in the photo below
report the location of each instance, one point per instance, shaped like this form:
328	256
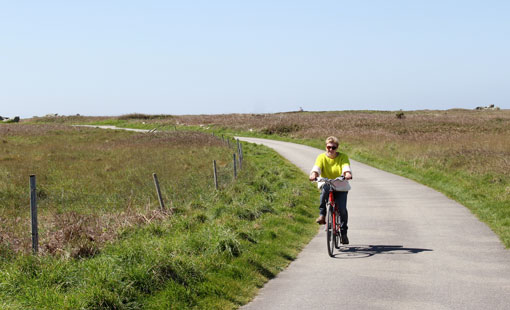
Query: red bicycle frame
332	202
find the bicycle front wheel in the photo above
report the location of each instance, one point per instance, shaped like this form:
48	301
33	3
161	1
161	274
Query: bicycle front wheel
337	230
330	231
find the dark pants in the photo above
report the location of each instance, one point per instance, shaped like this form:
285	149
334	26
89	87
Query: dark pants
341	203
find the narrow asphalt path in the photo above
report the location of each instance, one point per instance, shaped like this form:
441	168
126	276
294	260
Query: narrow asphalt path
411	248
114	128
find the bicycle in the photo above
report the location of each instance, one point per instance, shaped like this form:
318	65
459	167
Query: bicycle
333	233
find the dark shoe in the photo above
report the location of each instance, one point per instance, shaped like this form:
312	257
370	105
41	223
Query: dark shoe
344	239
321	220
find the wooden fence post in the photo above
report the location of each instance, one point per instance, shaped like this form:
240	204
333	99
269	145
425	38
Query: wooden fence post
33	213
156	182
215	175
235	166
241	156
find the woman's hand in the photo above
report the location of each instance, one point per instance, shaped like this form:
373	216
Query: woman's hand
348	175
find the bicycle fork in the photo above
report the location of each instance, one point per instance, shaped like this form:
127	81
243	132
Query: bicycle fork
331	202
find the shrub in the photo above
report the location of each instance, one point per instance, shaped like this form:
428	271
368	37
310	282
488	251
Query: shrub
143	116
281	129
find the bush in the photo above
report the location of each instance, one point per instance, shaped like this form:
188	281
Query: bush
281	129
143	116
400	115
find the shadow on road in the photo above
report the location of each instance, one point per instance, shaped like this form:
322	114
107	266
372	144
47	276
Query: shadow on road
364	251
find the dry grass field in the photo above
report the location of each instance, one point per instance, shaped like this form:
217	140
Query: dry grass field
476	142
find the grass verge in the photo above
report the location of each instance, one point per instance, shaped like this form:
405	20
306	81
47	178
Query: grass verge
212	252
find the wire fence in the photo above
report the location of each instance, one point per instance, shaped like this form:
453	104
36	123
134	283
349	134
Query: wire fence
219	178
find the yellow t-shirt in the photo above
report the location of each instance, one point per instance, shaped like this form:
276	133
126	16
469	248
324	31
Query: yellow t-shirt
332	167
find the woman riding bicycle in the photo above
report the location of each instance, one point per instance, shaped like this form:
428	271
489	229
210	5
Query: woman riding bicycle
331	165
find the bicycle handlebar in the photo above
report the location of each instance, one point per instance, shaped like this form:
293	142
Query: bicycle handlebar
326	180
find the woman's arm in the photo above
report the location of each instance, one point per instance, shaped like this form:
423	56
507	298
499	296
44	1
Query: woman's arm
316	170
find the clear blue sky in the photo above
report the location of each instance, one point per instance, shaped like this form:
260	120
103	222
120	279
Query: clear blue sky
207	57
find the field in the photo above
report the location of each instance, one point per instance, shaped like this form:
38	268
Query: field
462	153
93	182
106	244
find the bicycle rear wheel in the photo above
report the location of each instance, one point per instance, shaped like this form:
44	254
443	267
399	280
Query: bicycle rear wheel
330	231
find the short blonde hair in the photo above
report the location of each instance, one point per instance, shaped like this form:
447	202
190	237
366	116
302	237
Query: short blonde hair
332	139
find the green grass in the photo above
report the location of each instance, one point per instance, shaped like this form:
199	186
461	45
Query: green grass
213	251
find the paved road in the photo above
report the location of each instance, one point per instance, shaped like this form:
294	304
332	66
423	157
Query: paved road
411	248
